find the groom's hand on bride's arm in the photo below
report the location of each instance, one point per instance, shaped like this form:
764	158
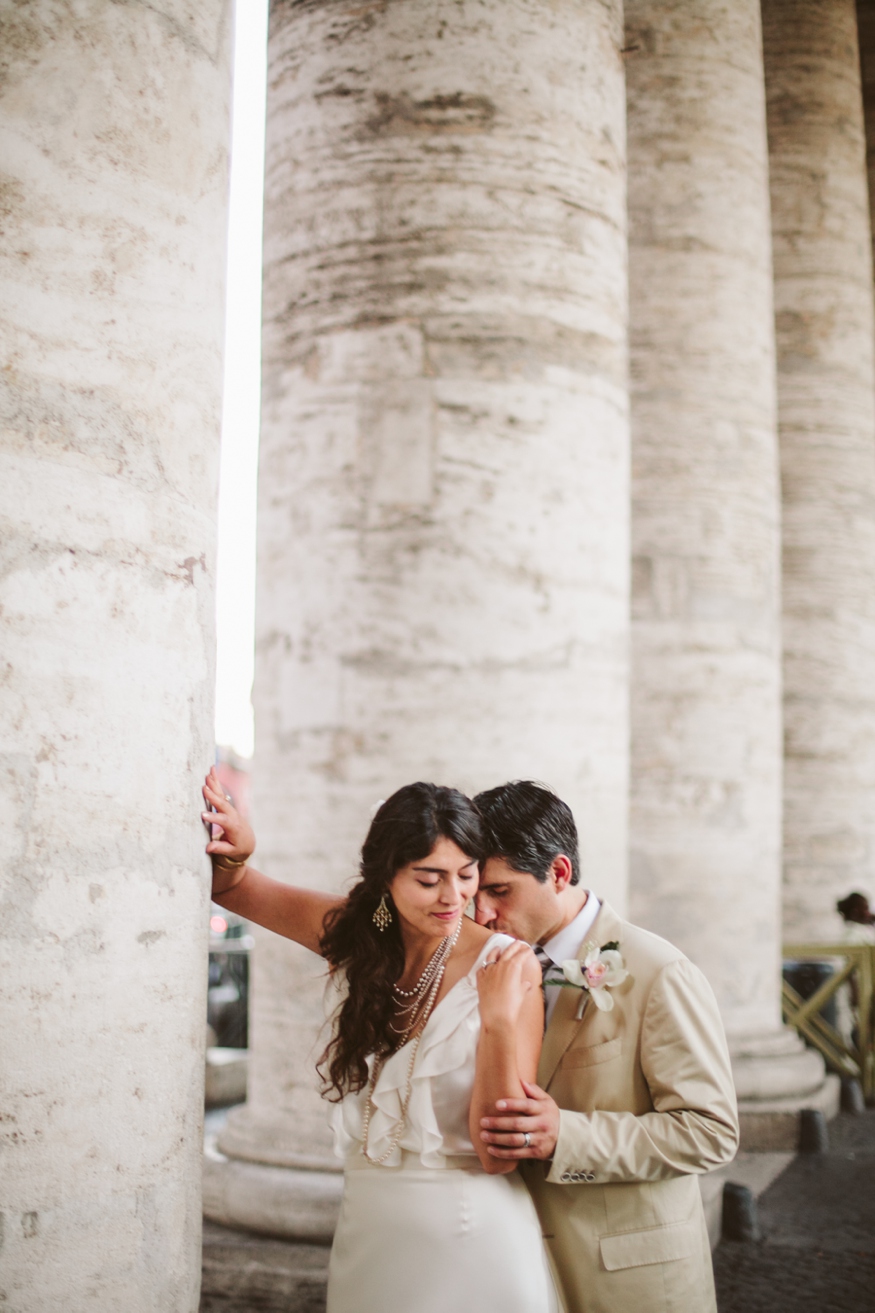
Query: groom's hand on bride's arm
536	1116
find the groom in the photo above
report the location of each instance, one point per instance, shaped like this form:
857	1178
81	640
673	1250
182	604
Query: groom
635	1094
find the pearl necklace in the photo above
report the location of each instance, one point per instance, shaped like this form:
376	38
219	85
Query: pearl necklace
419	1024
425	979
408	1001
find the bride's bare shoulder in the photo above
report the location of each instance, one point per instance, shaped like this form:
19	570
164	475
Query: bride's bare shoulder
474	936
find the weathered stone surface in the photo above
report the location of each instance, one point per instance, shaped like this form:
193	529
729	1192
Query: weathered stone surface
250	1274
705	684
271	1198
225	1078
444	462
826	394
866	42
113	143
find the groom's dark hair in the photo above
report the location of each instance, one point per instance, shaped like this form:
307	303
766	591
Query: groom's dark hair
528	826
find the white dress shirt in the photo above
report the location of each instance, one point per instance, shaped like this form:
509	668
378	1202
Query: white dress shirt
568	943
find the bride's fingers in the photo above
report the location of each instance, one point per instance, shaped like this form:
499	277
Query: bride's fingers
514	950
217	798
215	818
506	958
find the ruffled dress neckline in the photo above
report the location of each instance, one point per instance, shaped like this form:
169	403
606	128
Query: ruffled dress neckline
442	1084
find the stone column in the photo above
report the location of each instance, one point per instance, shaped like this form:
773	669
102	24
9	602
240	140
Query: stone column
826	399
866	41
443	551
706	667
113	142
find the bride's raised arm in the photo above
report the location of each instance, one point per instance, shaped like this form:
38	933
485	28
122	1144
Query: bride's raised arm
297	914
511	1031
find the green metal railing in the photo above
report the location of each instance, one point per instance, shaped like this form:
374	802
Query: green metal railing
855	964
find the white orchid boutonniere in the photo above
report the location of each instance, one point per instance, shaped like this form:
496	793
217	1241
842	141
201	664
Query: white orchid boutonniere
601	969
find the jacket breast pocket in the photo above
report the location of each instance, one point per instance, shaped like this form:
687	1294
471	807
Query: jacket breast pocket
658	1244
594	1054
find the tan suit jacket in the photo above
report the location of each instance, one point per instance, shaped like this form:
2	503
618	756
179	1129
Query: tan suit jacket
647	1103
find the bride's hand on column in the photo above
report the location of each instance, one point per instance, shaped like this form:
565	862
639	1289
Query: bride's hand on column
231	849
503	983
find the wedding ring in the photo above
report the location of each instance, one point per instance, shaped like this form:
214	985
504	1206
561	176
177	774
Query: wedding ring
527	1139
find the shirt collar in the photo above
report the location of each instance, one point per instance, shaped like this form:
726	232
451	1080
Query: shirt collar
567	943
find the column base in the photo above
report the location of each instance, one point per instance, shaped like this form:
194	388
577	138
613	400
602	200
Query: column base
274	1142
287	1202
772	1125
776	1077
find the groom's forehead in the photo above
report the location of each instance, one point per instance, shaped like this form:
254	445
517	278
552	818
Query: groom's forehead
497	871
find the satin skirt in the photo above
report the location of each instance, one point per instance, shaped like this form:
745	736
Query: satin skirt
421	1240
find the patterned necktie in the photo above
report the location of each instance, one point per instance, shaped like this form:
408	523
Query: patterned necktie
544	960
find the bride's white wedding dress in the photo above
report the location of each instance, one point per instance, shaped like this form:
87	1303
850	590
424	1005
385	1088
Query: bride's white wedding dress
431	1231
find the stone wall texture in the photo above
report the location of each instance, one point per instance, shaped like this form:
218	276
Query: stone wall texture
824	328
443	517
705	681
113	170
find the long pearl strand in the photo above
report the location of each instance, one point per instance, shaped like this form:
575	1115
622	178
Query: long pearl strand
418	1023
408	1001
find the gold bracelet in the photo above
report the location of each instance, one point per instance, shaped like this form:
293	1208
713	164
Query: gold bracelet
228	862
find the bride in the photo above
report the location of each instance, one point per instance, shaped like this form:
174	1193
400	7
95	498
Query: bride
438	1020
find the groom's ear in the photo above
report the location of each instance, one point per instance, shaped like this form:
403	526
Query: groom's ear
561	872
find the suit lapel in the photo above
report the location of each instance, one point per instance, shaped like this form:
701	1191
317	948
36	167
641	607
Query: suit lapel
559	1035
563	1024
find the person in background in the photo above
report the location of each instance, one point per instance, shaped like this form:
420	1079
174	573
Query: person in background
858	930
859	927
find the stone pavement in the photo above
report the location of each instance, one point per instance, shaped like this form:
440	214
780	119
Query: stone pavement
817	1254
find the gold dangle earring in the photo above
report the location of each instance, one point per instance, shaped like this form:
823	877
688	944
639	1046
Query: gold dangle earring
382	917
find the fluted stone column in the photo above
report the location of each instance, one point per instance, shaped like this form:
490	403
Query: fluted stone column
826	397
444	486
706	669
113	154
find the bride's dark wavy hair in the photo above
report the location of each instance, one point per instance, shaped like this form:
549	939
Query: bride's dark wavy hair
405	829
